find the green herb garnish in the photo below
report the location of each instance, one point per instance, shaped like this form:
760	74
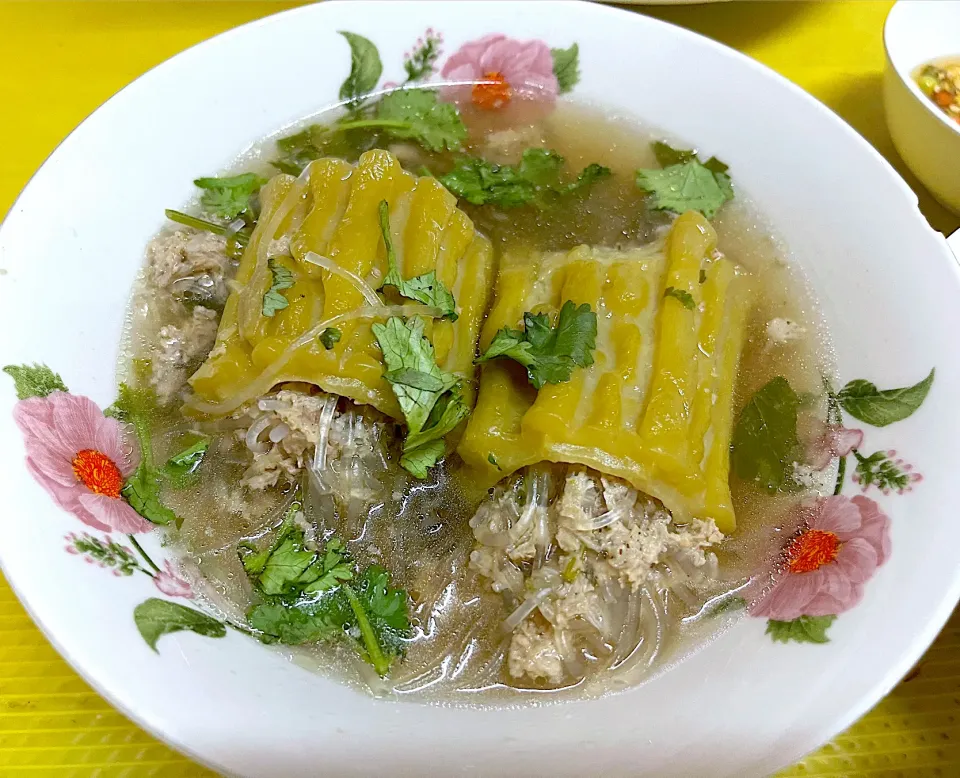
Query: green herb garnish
135	406
273	301
765	445
181	466
417	115
330	337
229	197
241	236
684	183
535	181
426	288
307	597
429	398
682	296
549	353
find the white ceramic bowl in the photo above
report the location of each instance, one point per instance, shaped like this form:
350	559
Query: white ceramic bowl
744	705
929	142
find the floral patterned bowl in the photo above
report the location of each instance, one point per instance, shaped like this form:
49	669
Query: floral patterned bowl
855	595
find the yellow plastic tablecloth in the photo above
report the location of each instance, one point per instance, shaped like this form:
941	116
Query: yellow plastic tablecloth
59	61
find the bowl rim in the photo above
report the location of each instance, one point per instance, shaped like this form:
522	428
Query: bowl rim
905	77
879	688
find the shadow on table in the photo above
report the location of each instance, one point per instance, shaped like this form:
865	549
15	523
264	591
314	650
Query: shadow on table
859	100
737	24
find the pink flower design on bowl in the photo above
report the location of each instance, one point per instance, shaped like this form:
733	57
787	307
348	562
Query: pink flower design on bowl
499	69
170	583
77	454
833	441
825	566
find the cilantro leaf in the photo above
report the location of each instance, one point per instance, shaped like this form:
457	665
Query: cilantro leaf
549	353
566	67
532	182
135	406
587	178
330	337
229	197
429	398
880	407
417	114
300	149
307	597
667	155
142	492
155	618
684	183
34	380
426	288
185	463
273	301
805	629
765	444
296	625
493	461
680	295
254	561
365	68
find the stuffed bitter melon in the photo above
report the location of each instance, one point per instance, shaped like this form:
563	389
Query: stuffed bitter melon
331	214
655	408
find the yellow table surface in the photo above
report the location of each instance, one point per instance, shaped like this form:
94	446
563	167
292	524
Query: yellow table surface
61	60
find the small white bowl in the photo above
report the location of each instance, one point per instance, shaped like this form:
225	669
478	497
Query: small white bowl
929	142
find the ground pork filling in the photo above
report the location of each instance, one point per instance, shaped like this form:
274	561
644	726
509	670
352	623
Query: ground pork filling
581	558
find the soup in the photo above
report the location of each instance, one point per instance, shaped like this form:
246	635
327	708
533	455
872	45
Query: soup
940	82
454	413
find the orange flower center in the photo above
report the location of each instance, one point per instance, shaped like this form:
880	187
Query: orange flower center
493	93
97	472
813	549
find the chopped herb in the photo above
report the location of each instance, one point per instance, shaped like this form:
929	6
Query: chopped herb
229	197
549	353
703	276
805	629
34	380
307	597
273	301
566	67
682	296
880	407
765	444
426	288
417	115
533	182
135	406
365	68
300	149
493	461
684	183
430	413
241	236
330	337
572	569
181	466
